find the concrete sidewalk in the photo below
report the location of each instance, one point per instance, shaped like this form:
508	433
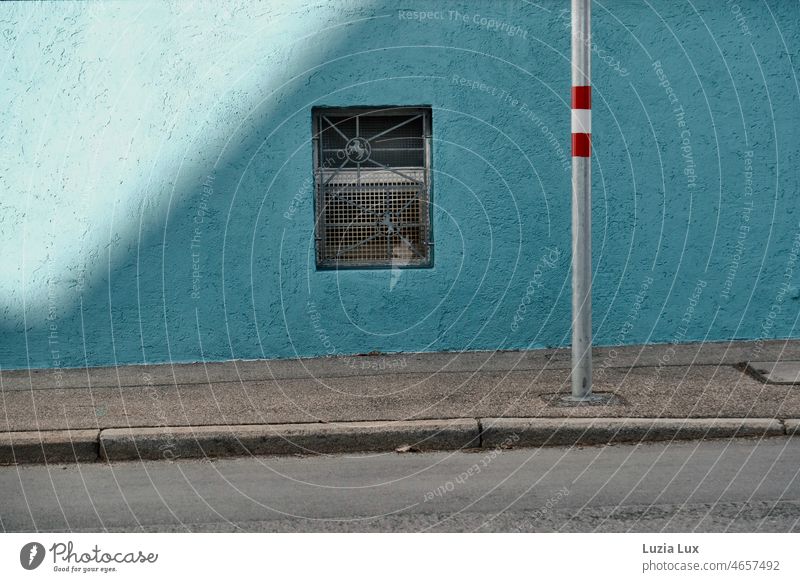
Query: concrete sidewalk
375	402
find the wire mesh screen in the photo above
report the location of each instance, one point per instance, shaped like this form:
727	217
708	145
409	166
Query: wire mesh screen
372	185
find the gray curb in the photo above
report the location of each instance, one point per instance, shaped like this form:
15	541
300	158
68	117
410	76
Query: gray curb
286	439
538	432
353	437
57	446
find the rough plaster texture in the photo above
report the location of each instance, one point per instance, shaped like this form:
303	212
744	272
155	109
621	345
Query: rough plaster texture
155	166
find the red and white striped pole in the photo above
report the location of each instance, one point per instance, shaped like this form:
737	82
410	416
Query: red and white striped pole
581	200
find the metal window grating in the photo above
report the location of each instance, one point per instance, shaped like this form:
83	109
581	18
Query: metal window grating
372	179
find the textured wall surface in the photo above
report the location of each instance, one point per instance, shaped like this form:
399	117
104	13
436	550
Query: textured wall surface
155	166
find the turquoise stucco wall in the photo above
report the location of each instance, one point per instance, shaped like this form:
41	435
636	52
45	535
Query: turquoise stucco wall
155	166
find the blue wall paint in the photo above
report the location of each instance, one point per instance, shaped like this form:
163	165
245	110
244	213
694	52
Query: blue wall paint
143	143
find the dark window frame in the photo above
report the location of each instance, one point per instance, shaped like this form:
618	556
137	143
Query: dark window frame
352	173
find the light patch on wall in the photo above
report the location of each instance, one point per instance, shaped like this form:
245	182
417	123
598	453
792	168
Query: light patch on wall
100	126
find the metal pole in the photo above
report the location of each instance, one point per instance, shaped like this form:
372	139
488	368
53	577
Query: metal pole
581	200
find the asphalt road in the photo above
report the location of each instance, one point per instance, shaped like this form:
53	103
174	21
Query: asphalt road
738	485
